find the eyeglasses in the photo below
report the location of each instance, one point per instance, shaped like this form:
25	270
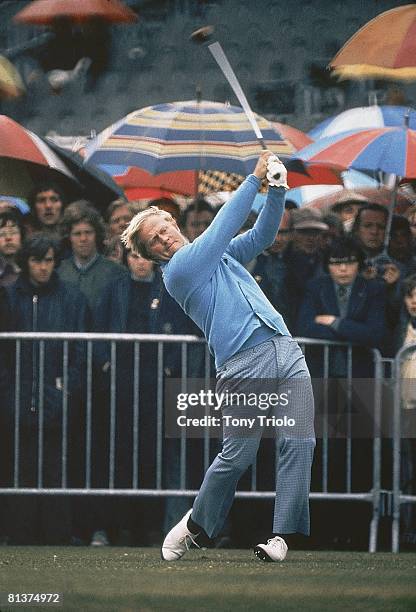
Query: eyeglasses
9	232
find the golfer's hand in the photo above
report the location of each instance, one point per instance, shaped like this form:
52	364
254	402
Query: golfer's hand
261	167
276	172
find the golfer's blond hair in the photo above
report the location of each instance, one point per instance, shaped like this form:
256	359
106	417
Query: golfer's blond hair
130	236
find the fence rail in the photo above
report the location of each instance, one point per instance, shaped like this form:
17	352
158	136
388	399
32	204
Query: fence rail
154	375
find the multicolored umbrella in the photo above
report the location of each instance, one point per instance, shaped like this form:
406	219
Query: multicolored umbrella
186	135
45	12
11	84
25	159
364	117
384	48
391	150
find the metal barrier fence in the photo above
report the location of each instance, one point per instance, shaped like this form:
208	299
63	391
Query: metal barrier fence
399	434
178	485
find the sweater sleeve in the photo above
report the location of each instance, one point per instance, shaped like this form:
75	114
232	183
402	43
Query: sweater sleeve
247	246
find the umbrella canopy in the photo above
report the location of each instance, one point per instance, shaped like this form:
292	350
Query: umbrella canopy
45	12
186	135
364	117
391	150
297	138
379	195
11	84
98	186
26	159
385	47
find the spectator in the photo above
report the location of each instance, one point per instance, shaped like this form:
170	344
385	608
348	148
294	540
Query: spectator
47	202
84	231
404	334
369	230
335	229
196	218
401	246
169	205
342	306
410	215
118	215
270	270
303	257
347	208
138	303
40	301
11	237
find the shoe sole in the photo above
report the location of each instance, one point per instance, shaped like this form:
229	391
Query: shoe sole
261	554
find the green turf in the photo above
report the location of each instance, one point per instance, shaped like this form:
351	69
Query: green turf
130	579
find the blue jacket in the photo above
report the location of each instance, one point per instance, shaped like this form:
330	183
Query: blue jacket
364	324
208	279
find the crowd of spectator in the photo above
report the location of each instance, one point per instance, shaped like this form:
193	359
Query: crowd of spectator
333	275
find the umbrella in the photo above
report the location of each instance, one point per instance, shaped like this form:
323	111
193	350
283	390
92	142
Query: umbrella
380	195
351	179
364	117
186	135
11	84
297	138
98	186
389	149
26	159
385	47
45	12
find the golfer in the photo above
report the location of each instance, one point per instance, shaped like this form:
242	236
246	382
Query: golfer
250	343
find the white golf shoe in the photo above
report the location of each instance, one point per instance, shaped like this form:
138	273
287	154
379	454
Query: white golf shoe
178	540
274	550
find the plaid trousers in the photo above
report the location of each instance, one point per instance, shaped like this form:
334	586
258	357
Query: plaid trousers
278	367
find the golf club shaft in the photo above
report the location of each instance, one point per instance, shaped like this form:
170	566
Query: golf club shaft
229	74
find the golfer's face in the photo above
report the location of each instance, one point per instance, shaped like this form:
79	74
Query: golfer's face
161	237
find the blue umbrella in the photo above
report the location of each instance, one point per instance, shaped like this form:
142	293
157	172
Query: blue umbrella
364	117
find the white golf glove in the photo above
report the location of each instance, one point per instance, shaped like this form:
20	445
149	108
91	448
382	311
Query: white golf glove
276	172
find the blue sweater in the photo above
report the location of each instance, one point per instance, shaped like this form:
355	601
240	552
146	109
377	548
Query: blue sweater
208	279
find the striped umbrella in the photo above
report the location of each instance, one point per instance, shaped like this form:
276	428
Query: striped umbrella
364	117
186	135
384	48
391	150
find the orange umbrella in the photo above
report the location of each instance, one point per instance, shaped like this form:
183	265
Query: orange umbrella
45	12
384	48
11	85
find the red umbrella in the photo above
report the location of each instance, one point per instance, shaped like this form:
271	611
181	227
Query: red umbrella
45	12
25	159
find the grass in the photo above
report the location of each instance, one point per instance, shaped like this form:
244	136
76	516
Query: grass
136	580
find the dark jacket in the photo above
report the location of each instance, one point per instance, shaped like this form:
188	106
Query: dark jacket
364	323
155	313
94	279
55	307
